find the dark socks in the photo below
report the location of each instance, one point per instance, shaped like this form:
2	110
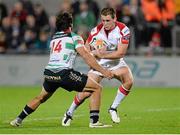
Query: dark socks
25	112
94	116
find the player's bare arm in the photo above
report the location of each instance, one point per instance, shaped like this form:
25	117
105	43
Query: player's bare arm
91	61
121	51
88	47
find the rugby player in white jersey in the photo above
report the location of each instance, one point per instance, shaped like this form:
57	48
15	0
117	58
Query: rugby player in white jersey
59	72
108	42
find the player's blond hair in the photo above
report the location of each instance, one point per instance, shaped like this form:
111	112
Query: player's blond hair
108	11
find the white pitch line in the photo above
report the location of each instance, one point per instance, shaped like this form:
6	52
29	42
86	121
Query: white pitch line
53	118
162	109
46	118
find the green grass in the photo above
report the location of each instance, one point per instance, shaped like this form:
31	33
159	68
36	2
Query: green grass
144	111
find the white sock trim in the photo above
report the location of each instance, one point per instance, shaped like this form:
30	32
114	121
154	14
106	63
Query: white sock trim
25	112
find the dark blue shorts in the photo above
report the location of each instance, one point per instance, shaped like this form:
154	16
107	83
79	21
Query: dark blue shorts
68	79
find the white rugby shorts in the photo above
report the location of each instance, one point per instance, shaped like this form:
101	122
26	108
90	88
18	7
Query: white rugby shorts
121	63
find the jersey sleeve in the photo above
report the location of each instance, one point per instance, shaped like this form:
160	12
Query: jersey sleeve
78	41
125	35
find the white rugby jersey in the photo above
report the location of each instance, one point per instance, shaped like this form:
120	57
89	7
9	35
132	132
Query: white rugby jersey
118	36
63	50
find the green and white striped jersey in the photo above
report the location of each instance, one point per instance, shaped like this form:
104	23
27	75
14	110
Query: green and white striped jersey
63	50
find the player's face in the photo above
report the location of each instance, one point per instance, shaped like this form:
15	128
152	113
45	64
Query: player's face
108	22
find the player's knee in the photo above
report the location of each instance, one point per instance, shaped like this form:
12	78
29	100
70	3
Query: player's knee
128	84
92	87
98	89
87	94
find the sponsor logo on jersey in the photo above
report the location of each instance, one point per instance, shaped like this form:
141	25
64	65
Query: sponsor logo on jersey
125	39
125	31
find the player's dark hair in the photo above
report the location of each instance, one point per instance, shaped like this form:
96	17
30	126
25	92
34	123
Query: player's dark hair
108	11
63	21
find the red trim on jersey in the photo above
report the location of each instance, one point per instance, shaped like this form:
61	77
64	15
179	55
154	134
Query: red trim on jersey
76	100
125	38
108	31
120	25
98	27
122	90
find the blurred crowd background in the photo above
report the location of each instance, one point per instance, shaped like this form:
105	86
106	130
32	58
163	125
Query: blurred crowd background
26	27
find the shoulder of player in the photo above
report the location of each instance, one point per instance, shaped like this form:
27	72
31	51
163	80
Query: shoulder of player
120	25
94	32
123	28
76	36
96	29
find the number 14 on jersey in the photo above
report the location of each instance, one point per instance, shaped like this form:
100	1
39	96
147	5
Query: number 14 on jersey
56	47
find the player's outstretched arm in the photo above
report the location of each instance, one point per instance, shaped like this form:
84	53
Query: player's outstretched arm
91	61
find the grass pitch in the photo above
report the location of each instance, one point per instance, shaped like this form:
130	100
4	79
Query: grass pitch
144	111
